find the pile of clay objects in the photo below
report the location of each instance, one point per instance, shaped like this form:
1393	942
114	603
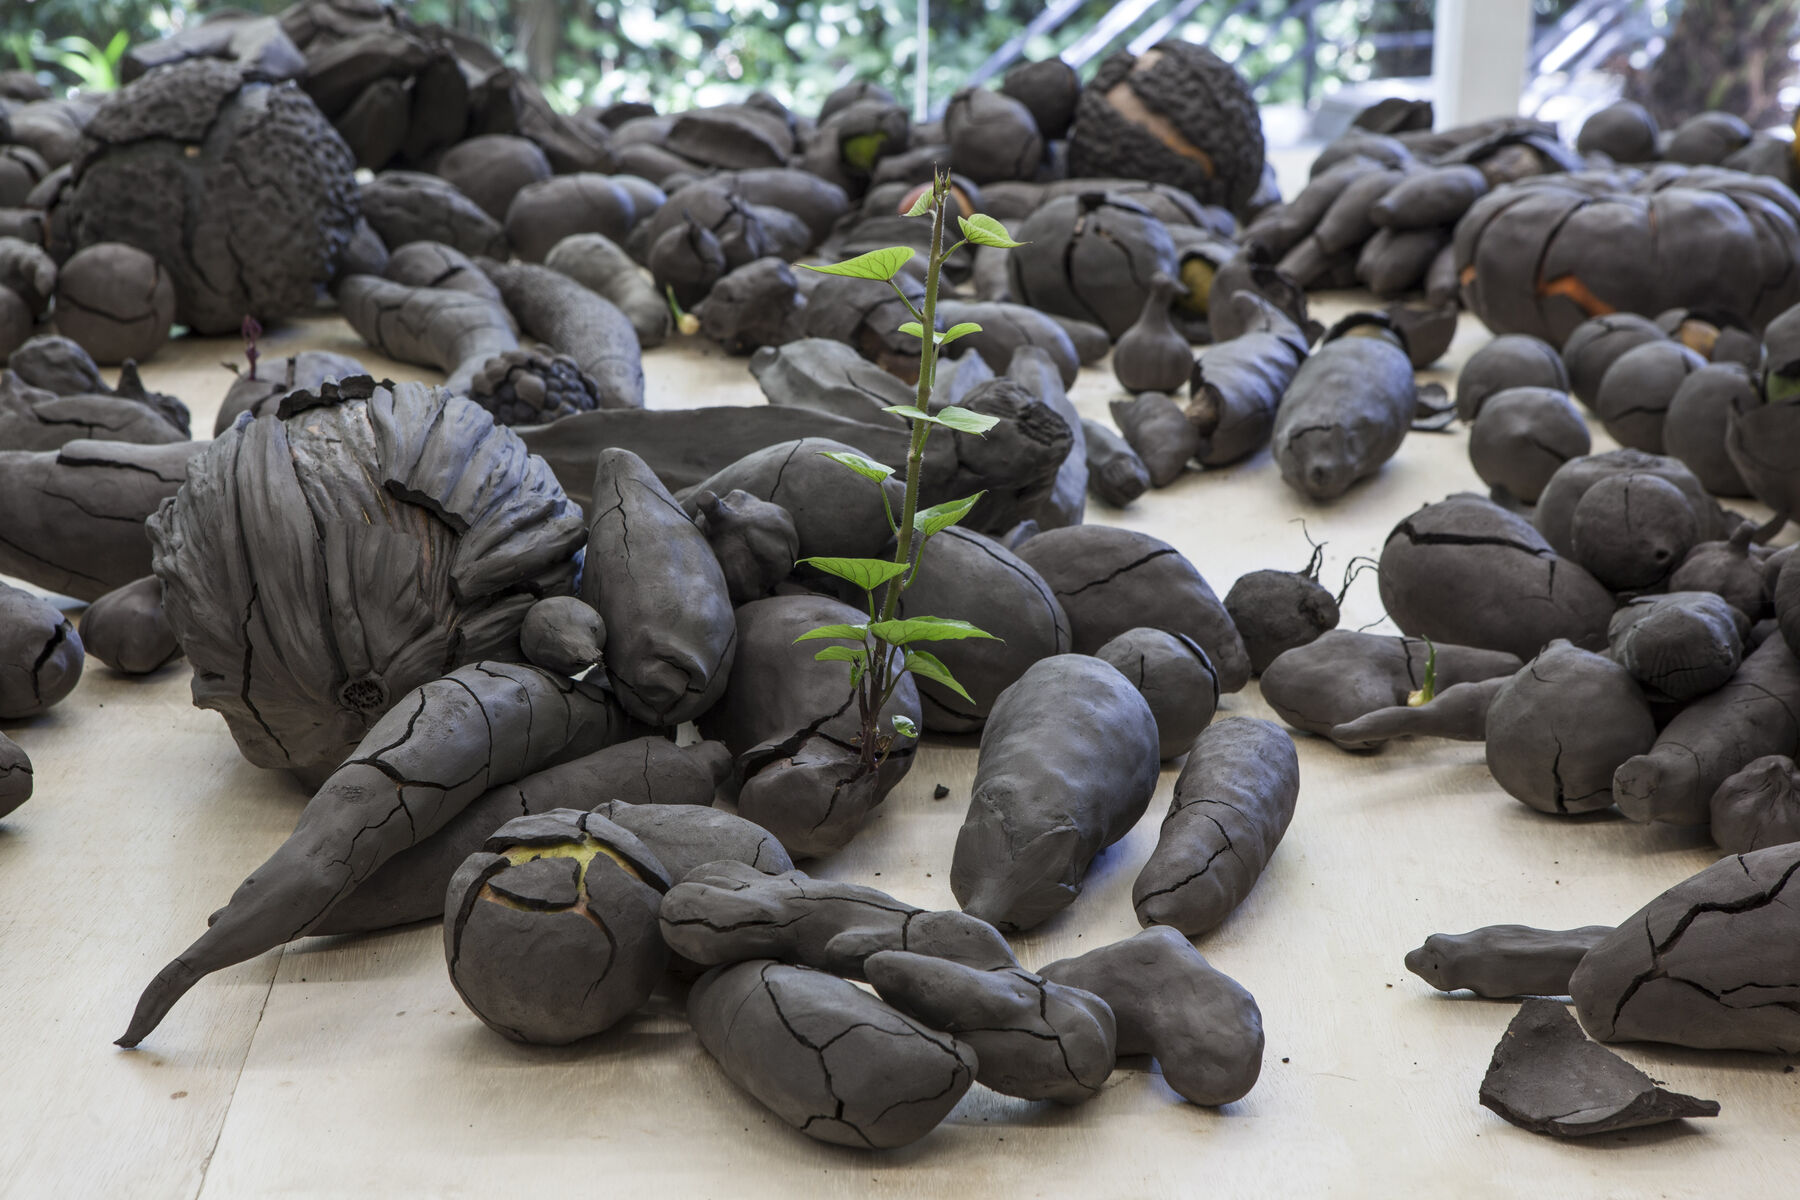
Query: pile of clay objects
531	637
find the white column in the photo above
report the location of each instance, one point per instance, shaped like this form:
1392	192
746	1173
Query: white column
1478	59
922	64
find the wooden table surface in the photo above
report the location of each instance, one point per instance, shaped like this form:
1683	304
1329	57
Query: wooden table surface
349	1067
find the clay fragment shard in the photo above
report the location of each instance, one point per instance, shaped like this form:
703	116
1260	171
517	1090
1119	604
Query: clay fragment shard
1032	1038
1546	1076
724	912
1498	961
1201	1026
828	1058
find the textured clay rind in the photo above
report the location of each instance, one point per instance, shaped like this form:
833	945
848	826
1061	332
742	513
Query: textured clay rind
724	912
1109	580
1500	961
1344	414
1679	645
75	516
439	748
1559	728
1032	1038
1547	1077
1232	804
126	629
318	566
550	931
1202	1027
828	1058
653	579
240	189
1346	674
791	721
575	321
15	776
1713	963
306	371
1466	571
40	654
1758	807
410	886
970	577
1068	764
1756	713
1276	611
1175	678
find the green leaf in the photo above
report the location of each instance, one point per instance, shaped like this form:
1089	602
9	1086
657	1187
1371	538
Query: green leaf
922	205
927	629
904	726
955	331
965	420
849	633
914	328
983	230
866	573
927	666
849	654
862	150
939	517
868	468
876	264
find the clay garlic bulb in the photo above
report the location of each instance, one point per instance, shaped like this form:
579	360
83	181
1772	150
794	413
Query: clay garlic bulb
550	930
116	302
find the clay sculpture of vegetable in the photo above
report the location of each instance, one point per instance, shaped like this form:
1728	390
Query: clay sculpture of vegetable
1274	611
1711	963
547	211
1632	530
1521	436
1756	713
575	321
1157	428
687	837
1760	437
1115	472
1201	1026
1232	803
1559	728
1729	568
1501	961
405	206
1091	256
436	265
414	502
550	930
825	1056
1694	427
1177	114
792	723
1068	763
1175	678
1638	388
490	169
438	748
523	387
755	541
76	515
648	771
1032	1038
261	391
34	419
1064	501
1597	343
1758	807
455	331
1546	1076
126	629
1562	497
40	654
1049	89
1679	645
992	136
562	634
1236	386
1786	596
115	301
1624	131
1513	361
600	265
758	304
1345	411
193	165
829	376
1543	254
1465	571
725	912
1151	356
653	579
1006	327
1346	674
15	776
1109	580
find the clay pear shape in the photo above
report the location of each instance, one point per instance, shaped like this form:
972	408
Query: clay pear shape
1152	356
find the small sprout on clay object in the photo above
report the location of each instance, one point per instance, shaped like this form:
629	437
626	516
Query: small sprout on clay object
252	329
1427	691
685	321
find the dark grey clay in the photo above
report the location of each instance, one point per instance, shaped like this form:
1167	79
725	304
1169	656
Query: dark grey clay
1521	436
575	321
1559	728
1275	611
1513	361
15	776
455	331
115	301
1115	472
126	629
40	654
755	541
1500	961
1344	414
1176	679
562	634
1679	645
1758	807
1157	428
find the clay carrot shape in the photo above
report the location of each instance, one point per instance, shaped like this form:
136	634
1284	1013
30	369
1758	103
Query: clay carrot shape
440	747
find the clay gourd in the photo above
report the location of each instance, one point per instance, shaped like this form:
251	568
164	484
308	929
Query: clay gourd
1236	386
1175	678
1699	414
562	634
1638	388
115	301
1598	343
1151	356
